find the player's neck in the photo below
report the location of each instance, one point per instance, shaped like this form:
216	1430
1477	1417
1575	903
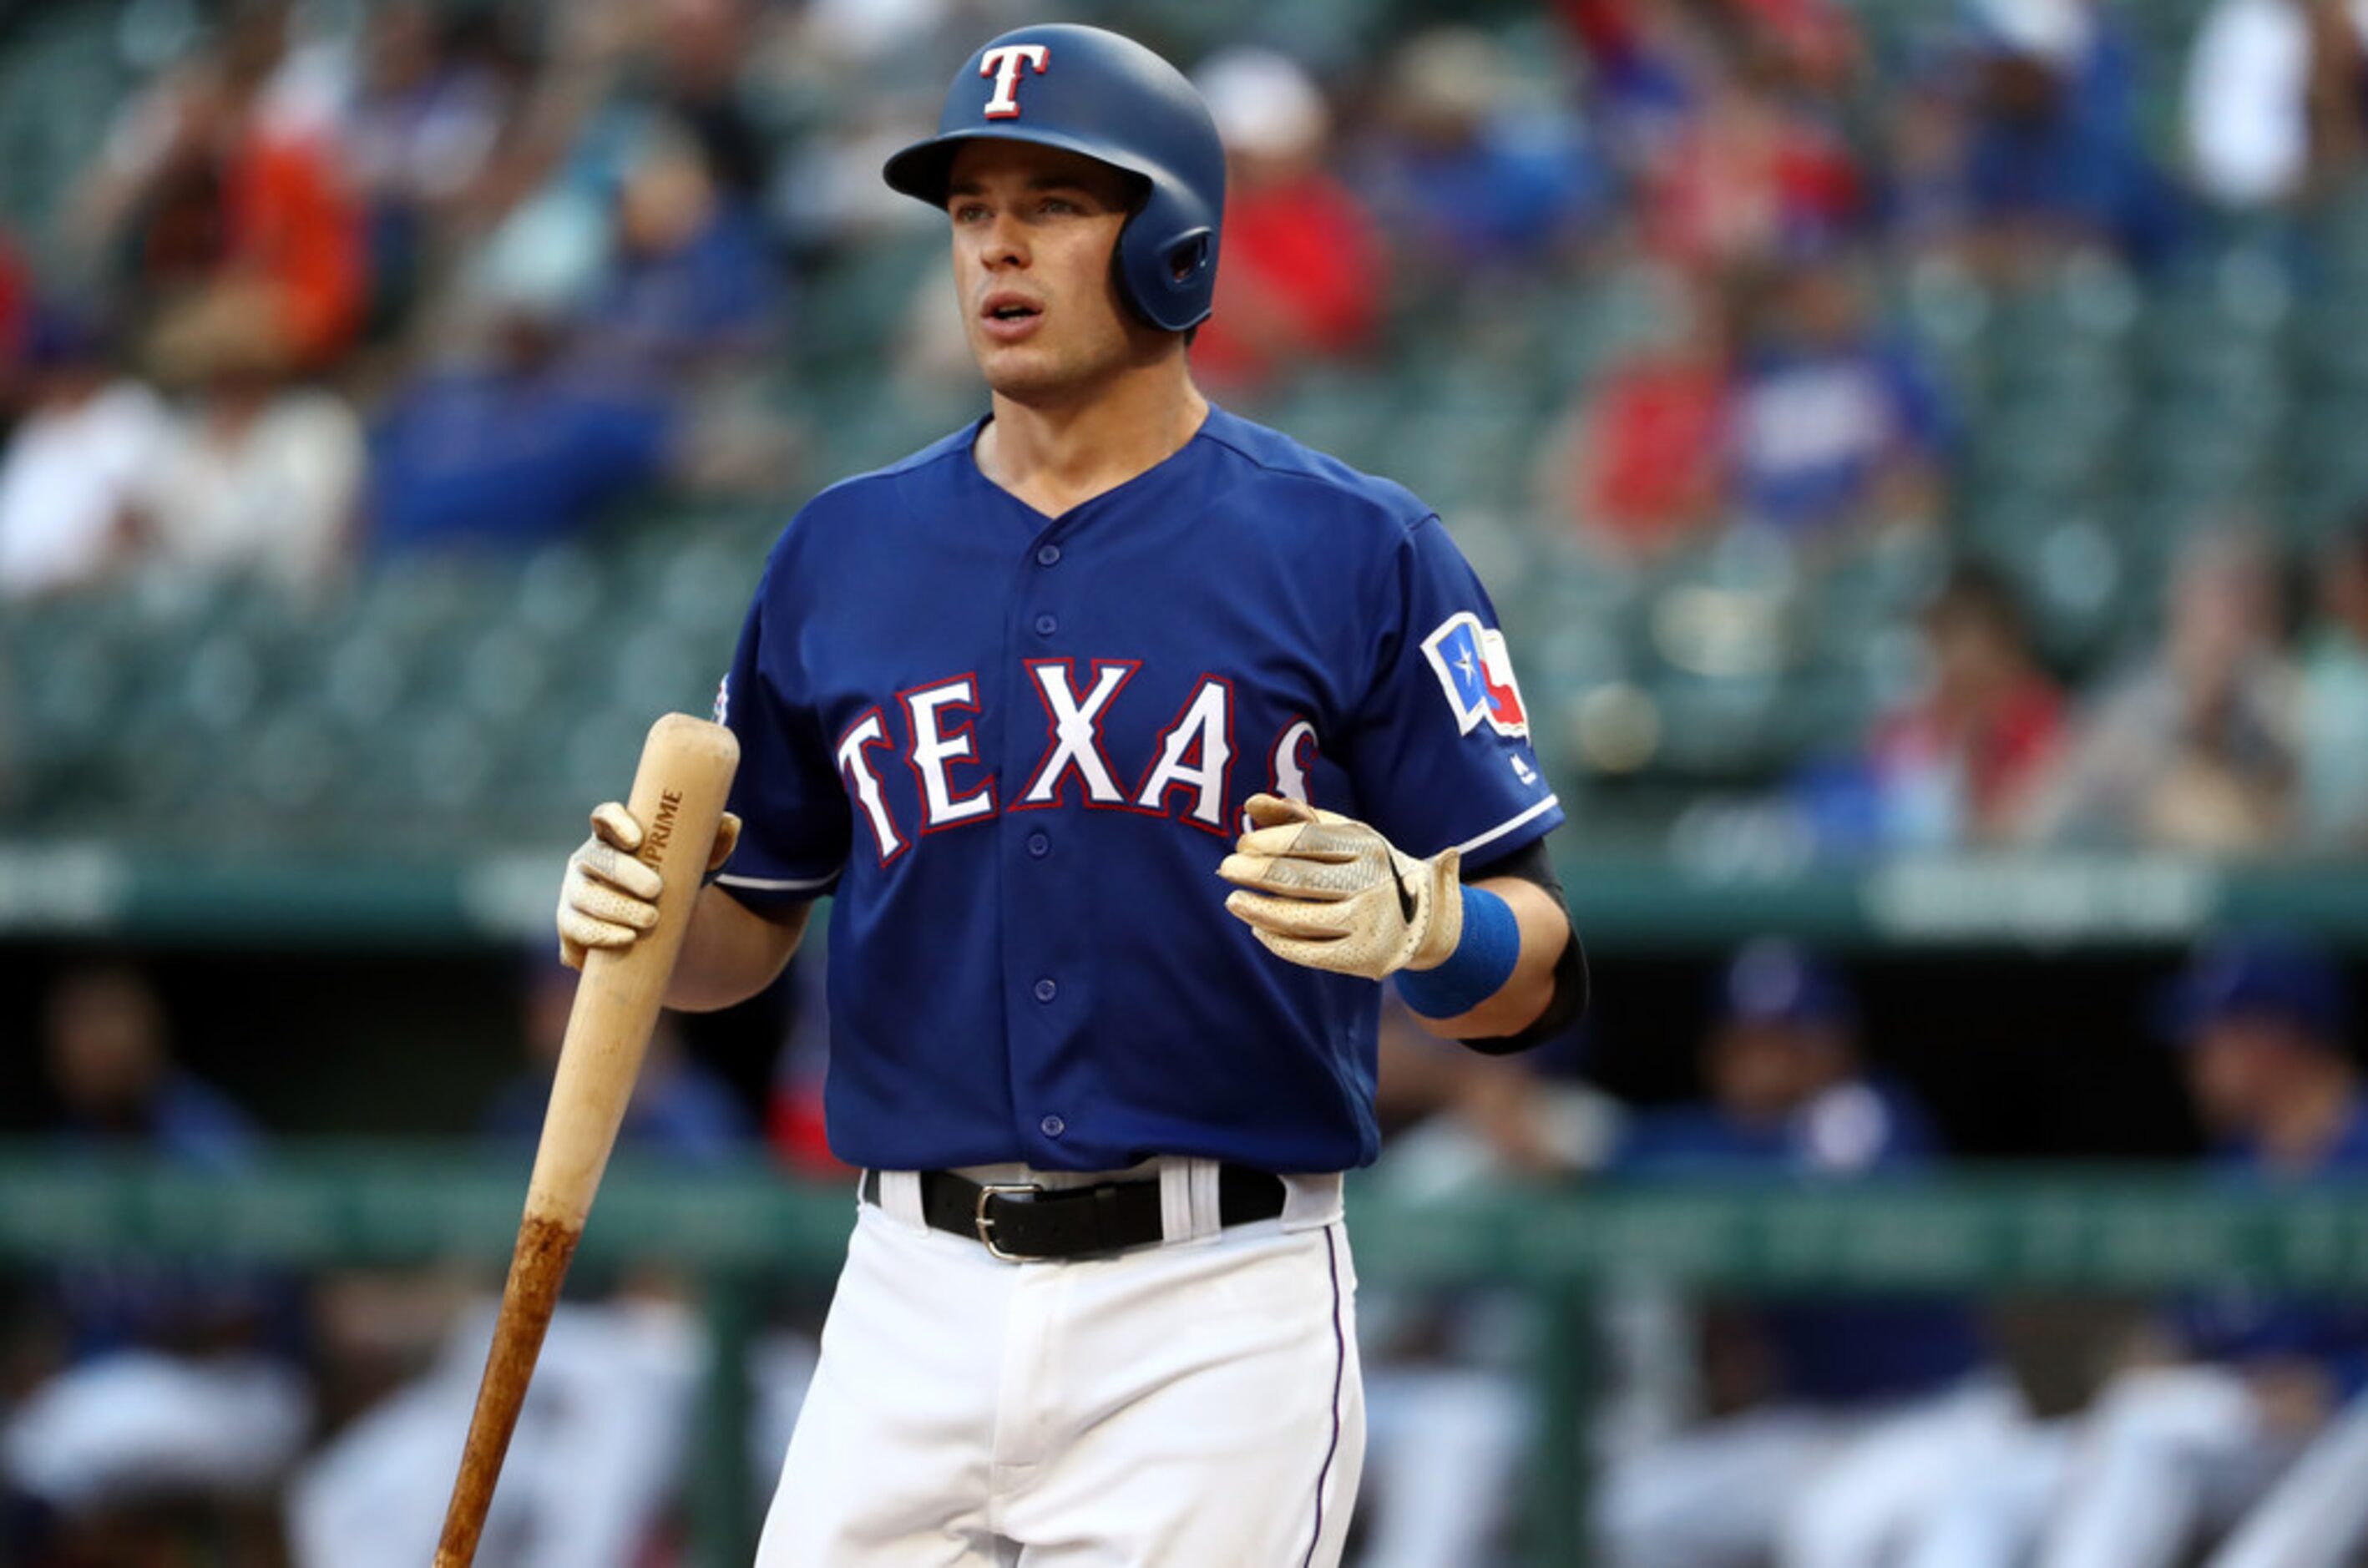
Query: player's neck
1057	453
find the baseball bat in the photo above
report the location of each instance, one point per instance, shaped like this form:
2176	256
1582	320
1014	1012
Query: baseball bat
679	793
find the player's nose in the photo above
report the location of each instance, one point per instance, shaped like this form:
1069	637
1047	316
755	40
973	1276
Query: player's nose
1002	242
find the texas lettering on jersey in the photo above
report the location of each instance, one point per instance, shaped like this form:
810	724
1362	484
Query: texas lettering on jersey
1185	774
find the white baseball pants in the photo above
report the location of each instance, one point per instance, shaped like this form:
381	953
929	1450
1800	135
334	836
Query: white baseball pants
1177	1406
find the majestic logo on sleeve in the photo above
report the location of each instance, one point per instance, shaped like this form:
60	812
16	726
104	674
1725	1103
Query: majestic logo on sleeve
1477	672
1003	64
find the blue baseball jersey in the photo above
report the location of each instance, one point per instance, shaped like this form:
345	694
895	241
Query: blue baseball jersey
1016	746
2236	1326
1838	1350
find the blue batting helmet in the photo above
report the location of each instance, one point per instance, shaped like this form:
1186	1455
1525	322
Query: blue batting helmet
2257	975
1094	92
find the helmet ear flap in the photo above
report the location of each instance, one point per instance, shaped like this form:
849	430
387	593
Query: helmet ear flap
1189	256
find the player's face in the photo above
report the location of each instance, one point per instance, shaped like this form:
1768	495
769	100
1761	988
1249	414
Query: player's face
1033	233
2232	1070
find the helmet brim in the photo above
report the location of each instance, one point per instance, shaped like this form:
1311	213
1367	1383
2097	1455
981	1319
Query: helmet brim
924	171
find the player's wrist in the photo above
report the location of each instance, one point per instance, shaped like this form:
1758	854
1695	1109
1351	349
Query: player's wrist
1487	949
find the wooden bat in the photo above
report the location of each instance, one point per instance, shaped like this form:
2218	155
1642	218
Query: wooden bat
679	794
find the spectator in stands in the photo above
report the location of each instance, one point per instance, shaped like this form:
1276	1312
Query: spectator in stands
1461	174
260	474
217	206
689	282
2277	98
2051	156
701	48
430	103
2226	1388
176	1379
1836	425
1835	1421
1754	169
82	453
2333	789
2195	749
598	1452
511	446
1643	462
1653	62
1304	274
1955	765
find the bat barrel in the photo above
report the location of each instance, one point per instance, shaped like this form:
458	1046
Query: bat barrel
537	1270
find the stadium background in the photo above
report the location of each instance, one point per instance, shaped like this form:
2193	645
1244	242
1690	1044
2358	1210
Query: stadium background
489	345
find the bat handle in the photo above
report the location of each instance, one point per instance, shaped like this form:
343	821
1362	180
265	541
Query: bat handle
538	1268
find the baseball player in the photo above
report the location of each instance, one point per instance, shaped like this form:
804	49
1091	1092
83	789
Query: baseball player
1868	1405
2237	1408
1137	743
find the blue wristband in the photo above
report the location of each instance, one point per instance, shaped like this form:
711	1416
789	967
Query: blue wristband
1483	960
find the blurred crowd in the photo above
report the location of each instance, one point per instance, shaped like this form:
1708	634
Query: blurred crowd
1810	1430
166	1412
326	295
342	283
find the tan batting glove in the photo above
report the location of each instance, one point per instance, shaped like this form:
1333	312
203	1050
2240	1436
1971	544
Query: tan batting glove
1328	892
608	898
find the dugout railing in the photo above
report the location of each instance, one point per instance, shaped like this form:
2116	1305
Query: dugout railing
1991	1233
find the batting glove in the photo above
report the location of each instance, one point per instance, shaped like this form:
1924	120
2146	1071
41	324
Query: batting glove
1331	893
608	898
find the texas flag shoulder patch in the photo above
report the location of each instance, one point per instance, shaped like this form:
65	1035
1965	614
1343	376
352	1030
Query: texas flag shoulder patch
1477	672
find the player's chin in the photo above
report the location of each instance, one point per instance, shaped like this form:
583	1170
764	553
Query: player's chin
1021	370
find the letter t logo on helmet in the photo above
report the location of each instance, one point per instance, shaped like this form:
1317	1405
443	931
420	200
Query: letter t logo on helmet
1003	64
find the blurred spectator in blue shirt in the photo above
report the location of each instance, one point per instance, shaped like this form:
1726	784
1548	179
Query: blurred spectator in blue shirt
1836	424
178	1377
1463	175
2052	155
515	447
2334	719
1835	1420
690	278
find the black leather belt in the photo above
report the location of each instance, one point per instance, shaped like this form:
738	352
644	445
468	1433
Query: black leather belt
1020	1221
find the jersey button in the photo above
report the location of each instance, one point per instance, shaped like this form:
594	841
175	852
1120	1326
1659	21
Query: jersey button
1053	1127
1039	846
1048	555
1046	991
1046	625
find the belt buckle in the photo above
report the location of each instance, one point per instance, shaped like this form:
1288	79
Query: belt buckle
984	1222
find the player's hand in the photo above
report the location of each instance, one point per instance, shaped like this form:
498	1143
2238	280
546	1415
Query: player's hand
608	898
1328	892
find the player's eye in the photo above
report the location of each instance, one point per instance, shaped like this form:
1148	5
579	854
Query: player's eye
1060	204
969	211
